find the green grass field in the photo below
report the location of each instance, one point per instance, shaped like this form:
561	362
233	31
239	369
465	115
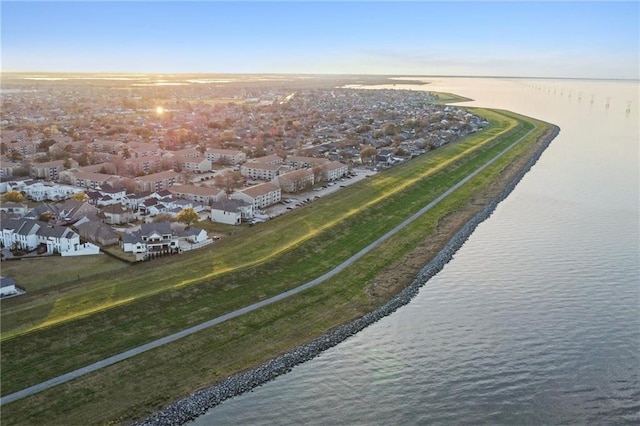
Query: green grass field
447	98
36	274
112	312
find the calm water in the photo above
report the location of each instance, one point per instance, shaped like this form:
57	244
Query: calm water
537	318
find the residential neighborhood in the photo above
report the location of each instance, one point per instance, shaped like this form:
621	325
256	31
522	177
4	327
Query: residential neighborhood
84	167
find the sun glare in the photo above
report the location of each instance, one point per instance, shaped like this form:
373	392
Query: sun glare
159	110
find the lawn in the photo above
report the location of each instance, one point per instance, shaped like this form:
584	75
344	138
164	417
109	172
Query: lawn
446	98
34	274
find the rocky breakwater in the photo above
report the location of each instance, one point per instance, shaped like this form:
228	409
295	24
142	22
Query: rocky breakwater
197	404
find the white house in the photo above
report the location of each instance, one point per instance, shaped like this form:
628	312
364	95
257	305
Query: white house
7	286
20	233
55	192
151	238
194	235
231	212
29	234
106	195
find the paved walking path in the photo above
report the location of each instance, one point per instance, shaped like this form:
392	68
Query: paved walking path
173	337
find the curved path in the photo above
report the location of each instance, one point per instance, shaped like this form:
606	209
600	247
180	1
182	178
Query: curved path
173	337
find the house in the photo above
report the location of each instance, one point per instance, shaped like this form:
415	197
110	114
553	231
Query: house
298	162
200	194
260	196
262	171
162	194
106	194
41	209
71	211
333	170
104	168
384	158
151	206
14	209
98	232
117	214
225	156
7	168
193	235
40	191
143	164
296	180
164	202
49	171
87	180
108	146
174	207
156	181
133	200
191	164
21	233
231	212
59	239
7	286
138	150
269	159
187	152
29	234
154	237
25	148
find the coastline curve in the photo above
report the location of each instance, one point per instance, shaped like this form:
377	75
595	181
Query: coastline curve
198	403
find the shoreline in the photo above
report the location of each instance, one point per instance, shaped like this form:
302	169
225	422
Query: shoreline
198	403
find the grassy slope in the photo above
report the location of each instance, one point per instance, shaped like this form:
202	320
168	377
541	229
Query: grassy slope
244	341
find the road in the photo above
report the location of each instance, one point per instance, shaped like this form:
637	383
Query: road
189	331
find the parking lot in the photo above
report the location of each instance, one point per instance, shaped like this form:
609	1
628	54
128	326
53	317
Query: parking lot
292	201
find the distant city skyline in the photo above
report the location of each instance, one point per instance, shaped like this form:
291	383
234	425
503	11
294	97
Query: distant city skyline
519	39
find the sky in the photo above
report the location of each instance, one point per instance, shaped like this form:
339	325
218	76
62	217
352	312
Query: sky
477	38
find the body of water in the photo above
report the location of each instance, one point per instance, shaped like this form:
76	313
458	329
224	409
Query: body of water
536	320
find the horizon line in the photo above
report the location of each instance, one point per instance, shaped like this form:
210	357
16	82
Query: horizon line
315	74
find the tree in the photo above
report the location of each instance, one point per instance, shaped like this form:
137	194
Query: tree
188	216
80	196
83	159
45	144
13	196
46	216
15	156
229	181
368	154
317	173
389	129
